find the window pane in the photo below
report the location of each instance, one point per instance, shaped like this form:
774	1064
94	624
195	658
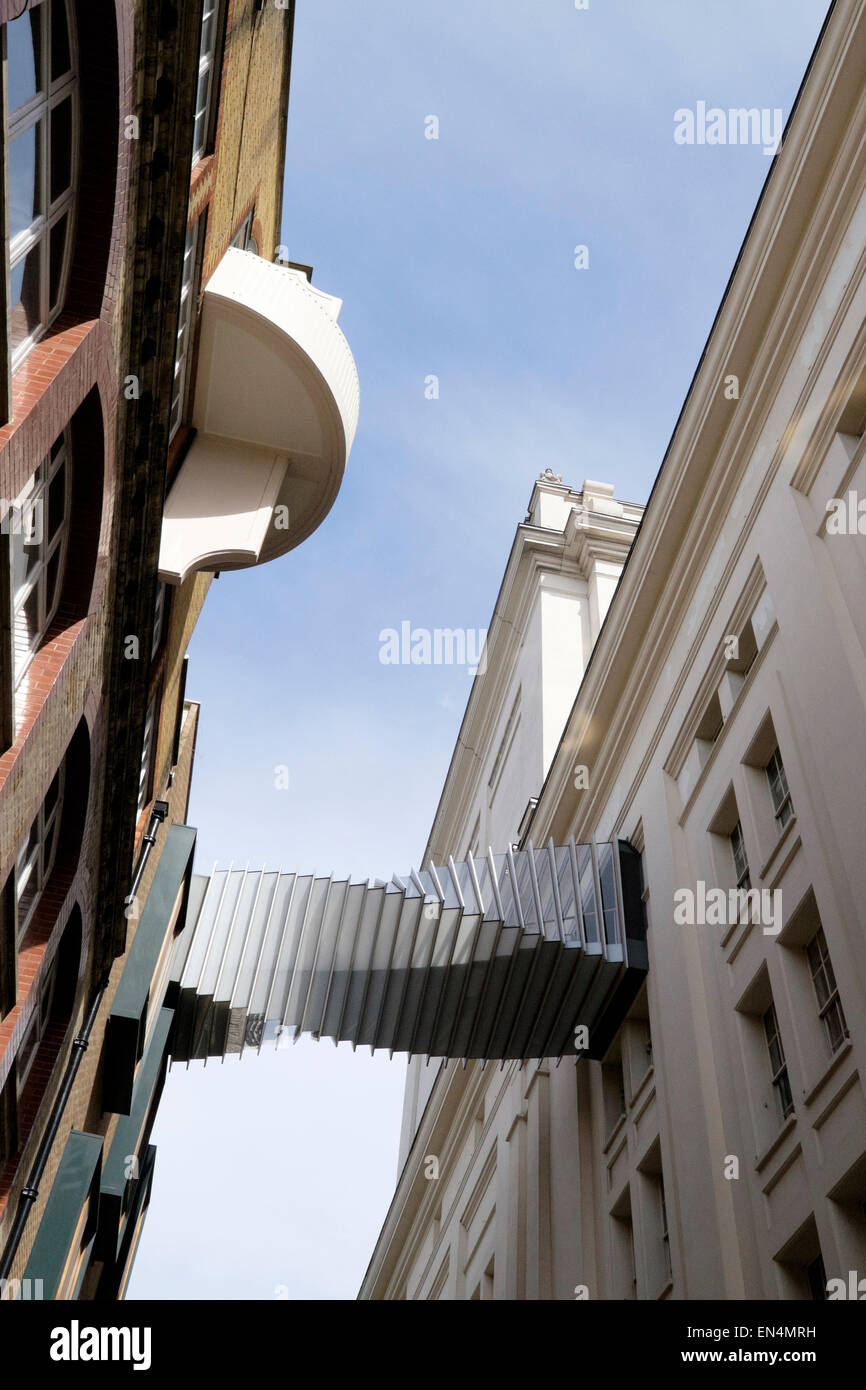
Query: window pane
24	316
202	91
57	249
56	502
24	561
46	997
51	797
182	320
23	49
26	899
776	1058
52	593
23	194
61	148
48	850
199	137
786	1100
26	855
27	1048
60	59
822	988
208	33
27	626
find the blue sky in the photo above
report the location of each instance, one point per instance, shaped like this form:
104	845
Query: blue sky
455	258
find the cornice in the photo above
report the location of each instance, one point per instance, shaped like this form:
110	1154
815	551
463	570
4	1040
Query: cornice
537	551
758	329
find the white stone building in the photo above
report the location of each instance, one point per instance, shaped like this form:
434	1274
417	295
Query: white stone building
712	712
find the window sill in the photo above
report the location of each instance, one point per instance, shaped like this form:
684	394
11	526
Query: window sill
832	1066
788	1127
34	376
199	172
730	931
614	1134
748	682
783	839
644	1085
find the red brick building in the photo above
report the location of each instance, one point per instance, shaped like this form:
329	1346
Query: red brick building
143	140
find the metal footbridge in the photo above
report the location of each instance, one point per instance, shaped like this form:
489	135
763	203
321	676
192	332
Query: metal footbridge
527	954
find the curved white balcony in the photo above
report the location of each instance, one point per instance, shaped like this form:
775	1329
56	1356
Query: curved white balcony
274	406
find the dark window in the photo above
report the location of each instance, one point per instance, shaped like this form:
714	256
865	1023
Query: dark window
39	525
36	854
826	990
778	1065
741	862
816	1276
783	808
186	325
208	78
148	753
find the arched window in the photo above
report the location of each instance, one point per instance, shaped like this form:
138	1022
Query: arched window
48	853
40	530
43	126
36	855
37	1027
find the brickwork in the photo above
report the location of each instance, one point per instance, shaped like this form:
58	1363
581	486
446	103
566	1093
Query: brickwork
81	692
84	1109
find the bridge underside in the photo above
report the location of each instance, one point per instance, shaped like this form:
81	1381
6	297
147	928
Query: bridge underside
506	956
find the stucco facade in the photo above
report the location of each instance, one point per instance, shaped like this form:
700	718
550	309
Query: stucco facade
714	719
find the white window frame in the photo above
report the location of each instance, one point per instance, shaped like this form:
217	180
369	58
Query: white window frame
826	989
36	112
741	859
148	750
36	862
777	779
207	77
29	526
158	618
778	1067
185	329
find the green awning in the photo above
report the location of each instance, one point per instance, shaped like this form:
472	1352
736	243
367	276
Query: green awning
124	1156
125	1032
68	1223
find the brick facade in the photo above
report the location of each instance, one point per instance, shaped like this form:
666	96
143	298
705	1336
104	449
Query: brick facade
82	692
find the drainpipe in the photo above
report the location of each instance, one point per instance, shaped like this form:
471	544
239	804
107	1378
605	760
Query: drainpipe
30	1191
